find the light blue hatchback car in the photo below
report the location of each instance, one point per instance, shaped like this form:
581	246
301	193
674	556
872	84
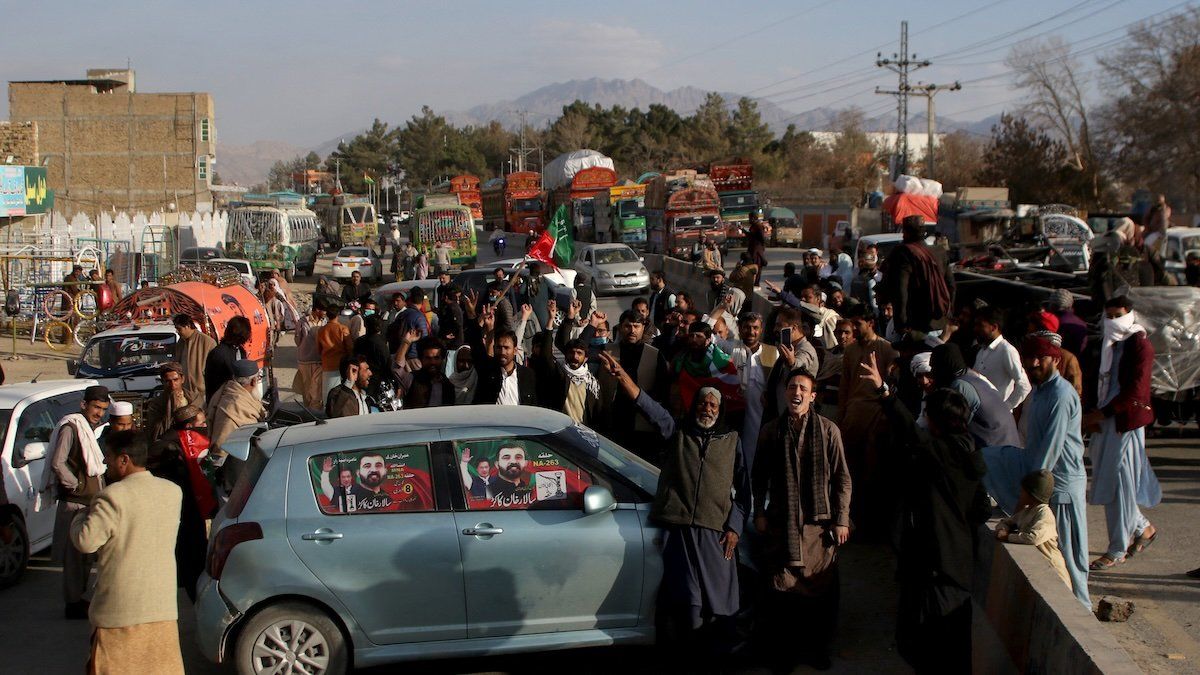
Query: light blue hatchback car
463	531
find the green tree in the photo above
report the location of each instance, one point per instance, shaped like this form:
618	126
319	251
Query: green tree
371	152
1153	125
748	134
708	131
1027	161
959	160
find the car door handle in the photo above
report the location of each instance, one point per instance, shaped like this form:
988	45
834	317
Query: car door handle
483	530
322	534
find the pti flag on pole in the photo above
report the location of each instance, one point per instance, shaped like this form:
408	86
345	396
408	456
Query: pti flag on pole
555	247
368	178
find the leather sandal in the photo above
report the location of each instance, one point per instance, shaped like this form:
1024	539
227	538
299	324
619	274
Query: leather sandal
1104	563
1141	543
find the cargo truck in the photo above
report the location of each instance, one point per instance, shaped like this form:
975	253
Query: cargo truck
580	198
466	188
514	203
734	182
621	215
682	210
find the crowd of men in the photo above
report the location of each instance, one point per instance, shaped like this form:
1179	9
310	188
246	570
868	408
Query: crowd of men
866	404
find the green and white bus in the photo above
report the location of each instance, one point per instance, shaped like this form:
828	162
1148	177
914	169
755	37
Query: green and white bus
274	231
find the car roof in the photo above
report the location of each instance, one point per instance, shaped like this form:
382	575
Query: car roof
448	423
609	245
132	328
877	238
11	394
236	260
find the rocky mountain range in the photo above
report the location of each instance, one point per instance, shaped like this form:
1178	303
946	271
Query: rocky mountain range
248	164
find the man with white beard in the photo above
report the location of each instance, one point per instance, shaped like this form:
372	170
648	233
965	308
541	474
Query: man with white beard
702	501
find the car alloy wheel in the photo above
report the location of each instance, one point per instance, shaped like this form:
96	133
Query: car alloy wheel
14	549
291	646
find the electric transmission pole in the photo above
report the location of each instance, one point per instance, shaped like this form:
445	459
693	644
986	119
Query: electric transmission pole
929	91
522	152
902	64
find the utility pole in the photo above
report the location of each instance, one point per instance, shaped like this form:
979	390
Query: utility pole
929	91
902	64
522	152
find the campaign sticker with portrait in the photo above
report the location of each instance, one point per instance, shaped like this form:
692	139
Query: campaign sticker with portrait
373	481
519	474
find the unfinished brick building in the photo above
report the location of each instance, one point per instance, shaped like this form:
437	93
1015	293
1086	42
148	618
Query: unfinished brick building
110	147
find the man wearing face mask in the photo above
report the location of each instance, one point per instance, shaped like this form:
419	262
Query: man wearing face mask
801	467
177	457
1122	478
702	500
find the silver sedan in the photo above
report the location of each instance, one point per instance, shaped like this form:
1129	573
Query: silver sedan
424	534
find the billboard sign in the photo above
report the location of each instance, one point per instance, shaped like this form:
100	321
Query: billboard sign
12	191
38	198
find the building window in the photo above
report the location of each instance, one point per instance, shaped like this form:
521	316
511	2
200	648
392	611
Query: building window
202	167
204	132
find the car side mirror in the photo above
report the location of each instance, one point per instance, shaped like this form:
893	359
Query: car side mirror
597	499
72	366
36	450
641	258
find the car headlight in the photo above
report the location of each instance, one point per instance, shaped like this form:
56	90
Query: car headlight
642	272
605	275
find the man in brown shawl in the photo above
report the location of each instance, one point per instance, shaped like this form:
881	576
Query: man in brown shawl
233	405
191	352
801	469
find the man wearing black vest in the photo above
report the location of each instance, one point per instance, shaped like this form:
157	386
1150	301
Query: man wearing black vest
702	501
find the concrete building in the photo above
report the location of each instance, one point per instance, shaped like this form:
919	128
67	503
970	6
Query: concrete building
109	147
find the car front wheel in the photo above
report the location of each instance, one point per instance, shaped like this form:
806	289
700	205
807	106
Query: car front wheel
14	548
291	637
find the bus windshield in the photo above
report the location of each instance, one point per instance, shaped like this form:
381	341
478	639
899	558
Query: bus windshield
632	209
248	225
358	214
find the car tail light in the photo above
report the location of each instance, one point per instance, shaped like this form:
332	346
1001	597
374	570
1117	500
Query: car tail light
337	264
224	542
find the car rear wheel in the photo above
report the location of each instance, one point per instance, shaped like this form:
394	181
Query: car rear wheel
291	637
14	548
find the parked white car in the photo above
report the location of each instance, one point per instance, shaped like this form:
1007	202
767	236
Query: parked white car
612	268
28	414
243	267
362	259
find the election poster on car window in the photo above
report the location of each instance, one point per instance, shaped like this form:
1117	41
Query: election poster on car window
518	474
373	481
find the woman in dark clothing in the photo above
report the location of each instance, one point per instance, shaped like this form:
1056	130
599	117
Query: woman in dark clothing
218	367
941	509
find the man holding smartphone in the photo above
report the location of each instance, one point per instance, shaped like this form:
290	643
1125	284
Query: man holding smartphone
796	352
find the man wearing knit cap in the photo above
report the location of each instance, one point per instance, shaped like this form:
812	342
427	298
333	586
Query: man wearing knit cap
1033	524
1068	366
1073	329
702	501
1054	443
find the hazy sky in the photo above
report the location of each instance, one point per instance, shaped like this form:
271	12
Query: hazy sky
305	72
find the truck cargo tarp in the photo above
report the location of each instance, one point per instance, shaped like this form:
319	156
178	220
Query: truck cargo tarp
562	169
1171	316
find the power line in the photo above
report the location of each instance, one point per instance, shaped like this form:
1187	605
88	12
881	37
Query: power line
727	42
902	64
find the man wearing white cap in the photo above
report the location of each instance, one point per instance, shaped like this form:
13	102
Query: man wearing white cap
120	418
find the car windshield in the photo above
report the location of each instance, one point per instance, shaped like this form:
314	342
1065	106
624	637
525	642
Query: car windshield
632	209
746	201
605	256
241	267
122	352
5	418
587	208
686	222
526	205
352	253
200	254
613	457
1189	243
